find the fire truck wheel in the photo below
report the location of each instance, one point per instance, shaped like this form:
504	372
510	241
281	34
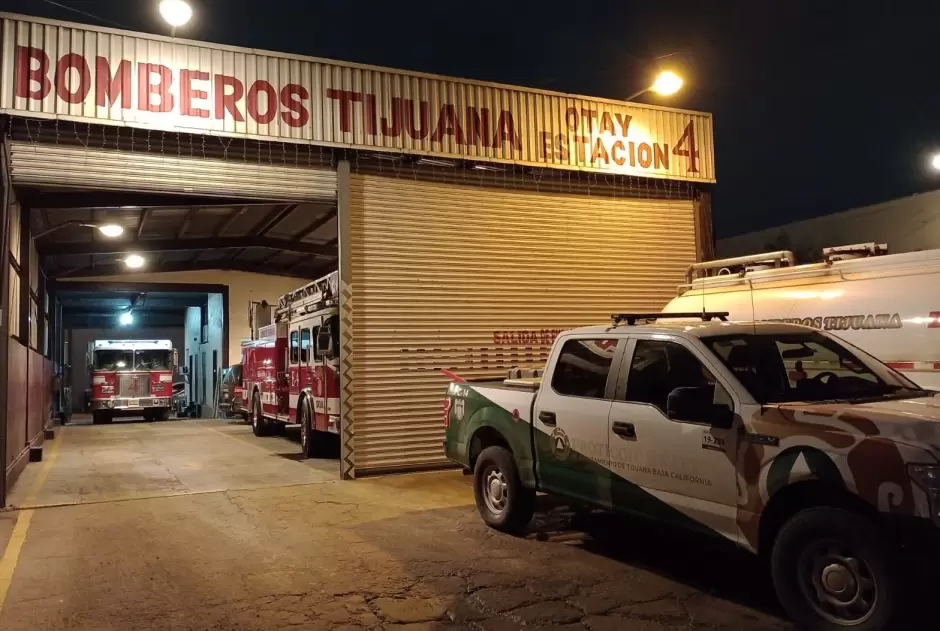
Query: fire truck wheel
309	443
163	415
259	425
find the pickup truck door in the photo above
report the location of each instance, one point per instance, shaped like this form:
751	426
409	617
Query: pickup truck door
677	470
571	415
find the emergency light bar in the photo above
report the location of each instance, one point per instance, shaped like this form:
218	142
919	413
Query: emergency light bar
632	318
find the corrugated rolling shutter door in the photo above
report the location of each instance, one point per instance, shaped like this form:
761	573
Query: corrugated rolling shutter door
47	164
475	280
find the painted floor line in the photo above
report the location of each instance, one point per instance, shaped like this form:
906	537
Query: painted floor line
11	555
138	498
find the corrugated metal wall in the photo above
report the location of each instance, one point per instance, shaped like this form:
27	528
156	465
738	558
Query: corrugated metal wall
449	276
88	74
47	164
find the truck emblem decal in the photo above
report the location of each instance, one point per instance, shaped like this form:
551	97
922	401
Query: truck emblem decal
561	446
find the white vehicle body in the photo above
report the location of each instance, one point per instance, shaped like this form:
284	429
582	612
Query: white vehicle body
886	305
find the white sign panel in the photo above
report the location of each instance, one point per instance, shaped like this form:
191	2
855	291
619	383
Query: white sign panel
88	74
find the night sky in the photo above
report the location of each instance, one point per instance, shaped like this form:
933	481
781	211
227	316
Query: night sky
819	105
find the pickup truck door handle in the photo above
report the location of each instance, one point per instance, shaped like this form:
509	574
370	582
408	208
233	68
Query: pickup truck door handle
625	430
548	418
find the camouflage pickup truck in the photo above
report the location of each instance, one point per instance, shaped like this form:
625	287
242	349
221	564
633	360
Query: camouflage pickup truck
782	439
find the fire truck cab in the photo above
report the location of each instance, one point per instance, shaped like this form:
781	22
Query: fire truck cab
131	378
290	373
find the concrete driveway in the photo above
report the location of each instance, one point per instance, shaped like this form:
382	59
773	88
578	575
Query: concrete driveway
200	525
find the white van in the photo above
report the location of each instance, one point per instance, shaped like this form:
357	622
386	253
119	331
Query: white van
887	305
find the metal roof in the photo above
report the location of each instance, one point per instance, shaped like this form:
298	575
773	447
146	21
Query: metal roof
175	234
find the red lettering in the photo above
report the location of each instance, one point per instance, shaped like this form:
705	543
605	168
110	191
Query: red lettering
108	88
644	154
660	156
506	130
632	147
27	74
572	118
370	114
448	125
497	337
589	116
393	129
228	101
561	141
409	119
254	107
346	98
187	93
607	124
687	147
63	84
478	126
147	90
546	149
624	120
293	96
615	150
600	153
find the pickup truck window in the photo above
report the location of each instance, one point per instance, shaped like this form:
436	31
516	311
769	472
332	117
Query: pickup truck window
794	367
659	367
583	367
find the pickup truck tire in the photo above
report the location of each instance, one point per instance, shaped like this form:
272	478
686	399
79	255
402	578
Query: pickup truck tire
501	499
832	571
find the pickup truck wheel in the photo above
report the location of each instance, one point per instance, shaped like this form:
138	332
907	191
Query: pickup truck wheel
503	502
259	426
831	571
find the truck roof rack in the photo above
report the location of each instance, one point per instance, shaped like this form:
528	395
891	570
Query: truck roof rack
632	318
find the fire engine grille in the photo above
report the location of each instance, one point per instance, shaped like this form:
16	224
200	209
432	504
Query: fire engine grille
134	386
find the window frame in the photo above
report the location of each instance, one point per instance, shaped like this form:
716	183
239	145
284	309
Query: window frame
699	351
293	352
612	375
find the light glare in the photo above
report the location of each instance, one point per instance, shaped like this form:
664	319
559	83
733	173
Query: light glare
111	230
176	12
134	261
667	83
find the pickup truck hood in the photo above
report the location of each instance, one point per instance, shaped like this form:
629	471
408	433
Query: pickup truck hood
913	421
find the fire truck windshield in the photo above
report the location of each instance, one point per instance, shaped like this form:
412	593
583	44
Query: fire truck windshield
153	360
114	360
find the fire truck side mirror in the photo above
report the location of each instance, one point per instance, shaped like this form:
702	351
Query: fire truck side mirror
325	342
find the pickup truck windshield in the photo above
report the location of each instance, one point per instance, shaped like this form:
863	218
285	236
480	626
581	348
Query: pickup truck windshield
810	366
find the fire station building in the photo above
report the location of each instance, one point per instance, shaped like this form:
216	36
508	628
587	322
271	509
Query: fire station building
470	222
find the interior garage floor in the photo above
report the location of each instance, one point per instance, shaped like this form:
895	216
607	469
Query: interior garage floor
199	525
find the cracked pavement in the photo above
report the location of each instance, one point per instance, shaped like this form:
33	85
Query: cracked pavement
198	525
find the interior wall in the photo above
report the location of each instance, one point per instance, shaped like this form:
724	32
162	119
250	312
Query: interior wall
243	288
79	348
203	382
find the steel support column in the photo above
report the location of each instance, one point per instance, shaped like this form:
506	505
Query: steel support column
347	461
5	200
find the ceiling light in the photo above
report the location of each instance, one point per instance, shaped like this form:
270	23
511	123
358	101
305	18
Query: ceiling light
135	261
127	319
111	230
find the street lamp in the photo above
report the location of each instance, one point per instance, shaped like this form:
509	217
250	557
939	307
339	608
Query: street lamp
667	83
135	261
109	230
935	161
176	13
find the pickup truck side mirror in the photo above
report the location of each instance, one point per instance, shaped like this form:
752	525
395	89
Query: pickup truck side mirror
697	405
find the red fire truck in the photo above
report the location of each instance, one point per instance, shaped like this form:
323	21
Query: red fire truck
290	373
131	378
